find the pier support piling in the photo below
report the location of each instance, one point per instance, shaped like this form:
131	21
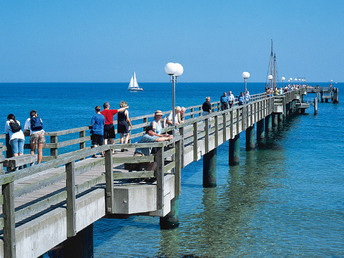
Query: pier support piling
80	245
315	106
250	138
171	220
268	123
260	132
234	151
275	120
209	168
280	119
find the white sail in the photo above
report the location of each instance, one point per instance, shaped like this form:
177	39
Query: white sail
133	85
135	81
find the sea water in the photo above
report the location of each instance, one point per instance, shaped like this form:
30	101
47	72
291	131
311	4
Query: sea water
282	200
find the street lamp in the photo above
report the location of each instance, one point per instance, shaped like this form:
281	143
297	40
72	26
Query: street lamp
283	79
174	70
245	75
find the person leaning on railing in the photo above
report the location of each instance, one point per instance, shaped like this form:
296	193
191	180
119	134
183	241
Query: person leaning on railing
148	137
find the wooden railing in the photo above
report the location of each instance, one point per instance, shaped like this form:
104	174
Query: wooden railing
60	143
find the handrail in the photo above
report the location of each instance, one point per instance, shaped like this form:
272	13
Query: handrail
56	143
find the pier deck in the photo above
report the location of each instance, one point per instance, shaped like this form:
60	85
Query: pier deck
46	204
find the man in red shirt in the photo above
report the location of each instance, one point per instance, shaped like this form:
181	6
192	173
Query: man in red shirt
109	130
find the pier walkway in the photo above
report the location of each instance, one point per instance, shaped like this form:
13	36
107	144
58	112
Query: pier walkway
57	201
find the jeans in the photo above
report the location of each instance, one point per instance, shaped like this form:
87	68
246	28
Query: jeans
17	146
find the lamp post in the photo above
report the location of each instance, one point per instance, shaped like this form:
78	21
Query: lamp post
245	75
270	77
174	70
283	79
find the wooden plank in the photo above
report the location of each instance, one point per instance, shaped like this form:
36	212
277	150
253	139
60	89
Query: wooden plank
9	220
169	166
169	153
19	160
133	175
132	159
109	198
74	141
71	205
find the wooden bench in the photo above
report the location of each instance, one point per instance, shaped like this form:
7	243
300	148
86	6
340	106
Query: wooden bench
14	163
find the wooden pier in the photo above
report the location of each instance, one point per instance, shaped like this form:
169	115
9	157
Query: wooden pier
57	202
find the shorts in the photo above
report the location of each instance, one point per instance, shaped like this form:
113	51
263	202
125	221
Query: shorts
37	138
97	139
109	132
17	145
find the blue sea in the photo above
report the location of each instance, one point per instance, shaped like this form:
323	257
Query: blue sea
284	200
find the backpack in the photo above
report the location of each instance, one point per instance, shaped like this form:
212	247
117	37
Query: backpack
15	127
36	123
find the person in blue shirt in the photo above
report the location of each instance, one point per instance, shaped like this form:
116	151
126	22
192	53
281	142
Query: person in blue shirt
241	99
224	101
97	129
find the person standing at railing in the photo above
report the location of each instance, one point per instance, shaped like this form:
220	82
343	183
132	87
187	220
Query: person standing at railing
241	99
34	127
224	101
206	107
97	129
170	116
123	124
156	124
231	99
15	135
109	129
181	117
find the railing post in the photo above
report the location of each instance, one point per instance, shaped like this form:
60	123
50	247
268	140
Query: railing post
181	132
224	127
237	121
195	141
82	144
216	131
110	202
145	120
71	206
54	151
178	167
200	111
206	137
9	220
159	159
192	110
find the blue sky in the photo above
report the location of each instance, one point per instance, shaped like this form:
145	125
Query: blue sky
215	41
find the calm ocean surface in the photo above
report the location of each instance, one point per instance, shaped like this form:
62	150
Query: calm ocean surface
284	200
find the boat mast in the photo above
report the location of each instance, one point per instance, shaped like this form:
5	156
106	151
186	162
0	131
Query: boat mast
271	84
275	71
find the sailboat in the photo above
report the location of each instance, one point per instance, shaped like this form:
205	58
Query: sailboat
133	85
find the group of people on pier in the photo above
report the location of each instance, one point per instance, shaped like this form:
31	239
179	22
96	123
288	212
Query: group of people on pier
228	101
33	127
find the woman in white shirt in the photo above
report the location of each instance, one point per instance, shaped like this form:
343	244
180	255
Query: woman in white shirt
16	135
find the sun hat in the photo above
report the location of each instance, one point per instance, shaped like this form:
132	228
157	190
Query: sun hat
158	113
